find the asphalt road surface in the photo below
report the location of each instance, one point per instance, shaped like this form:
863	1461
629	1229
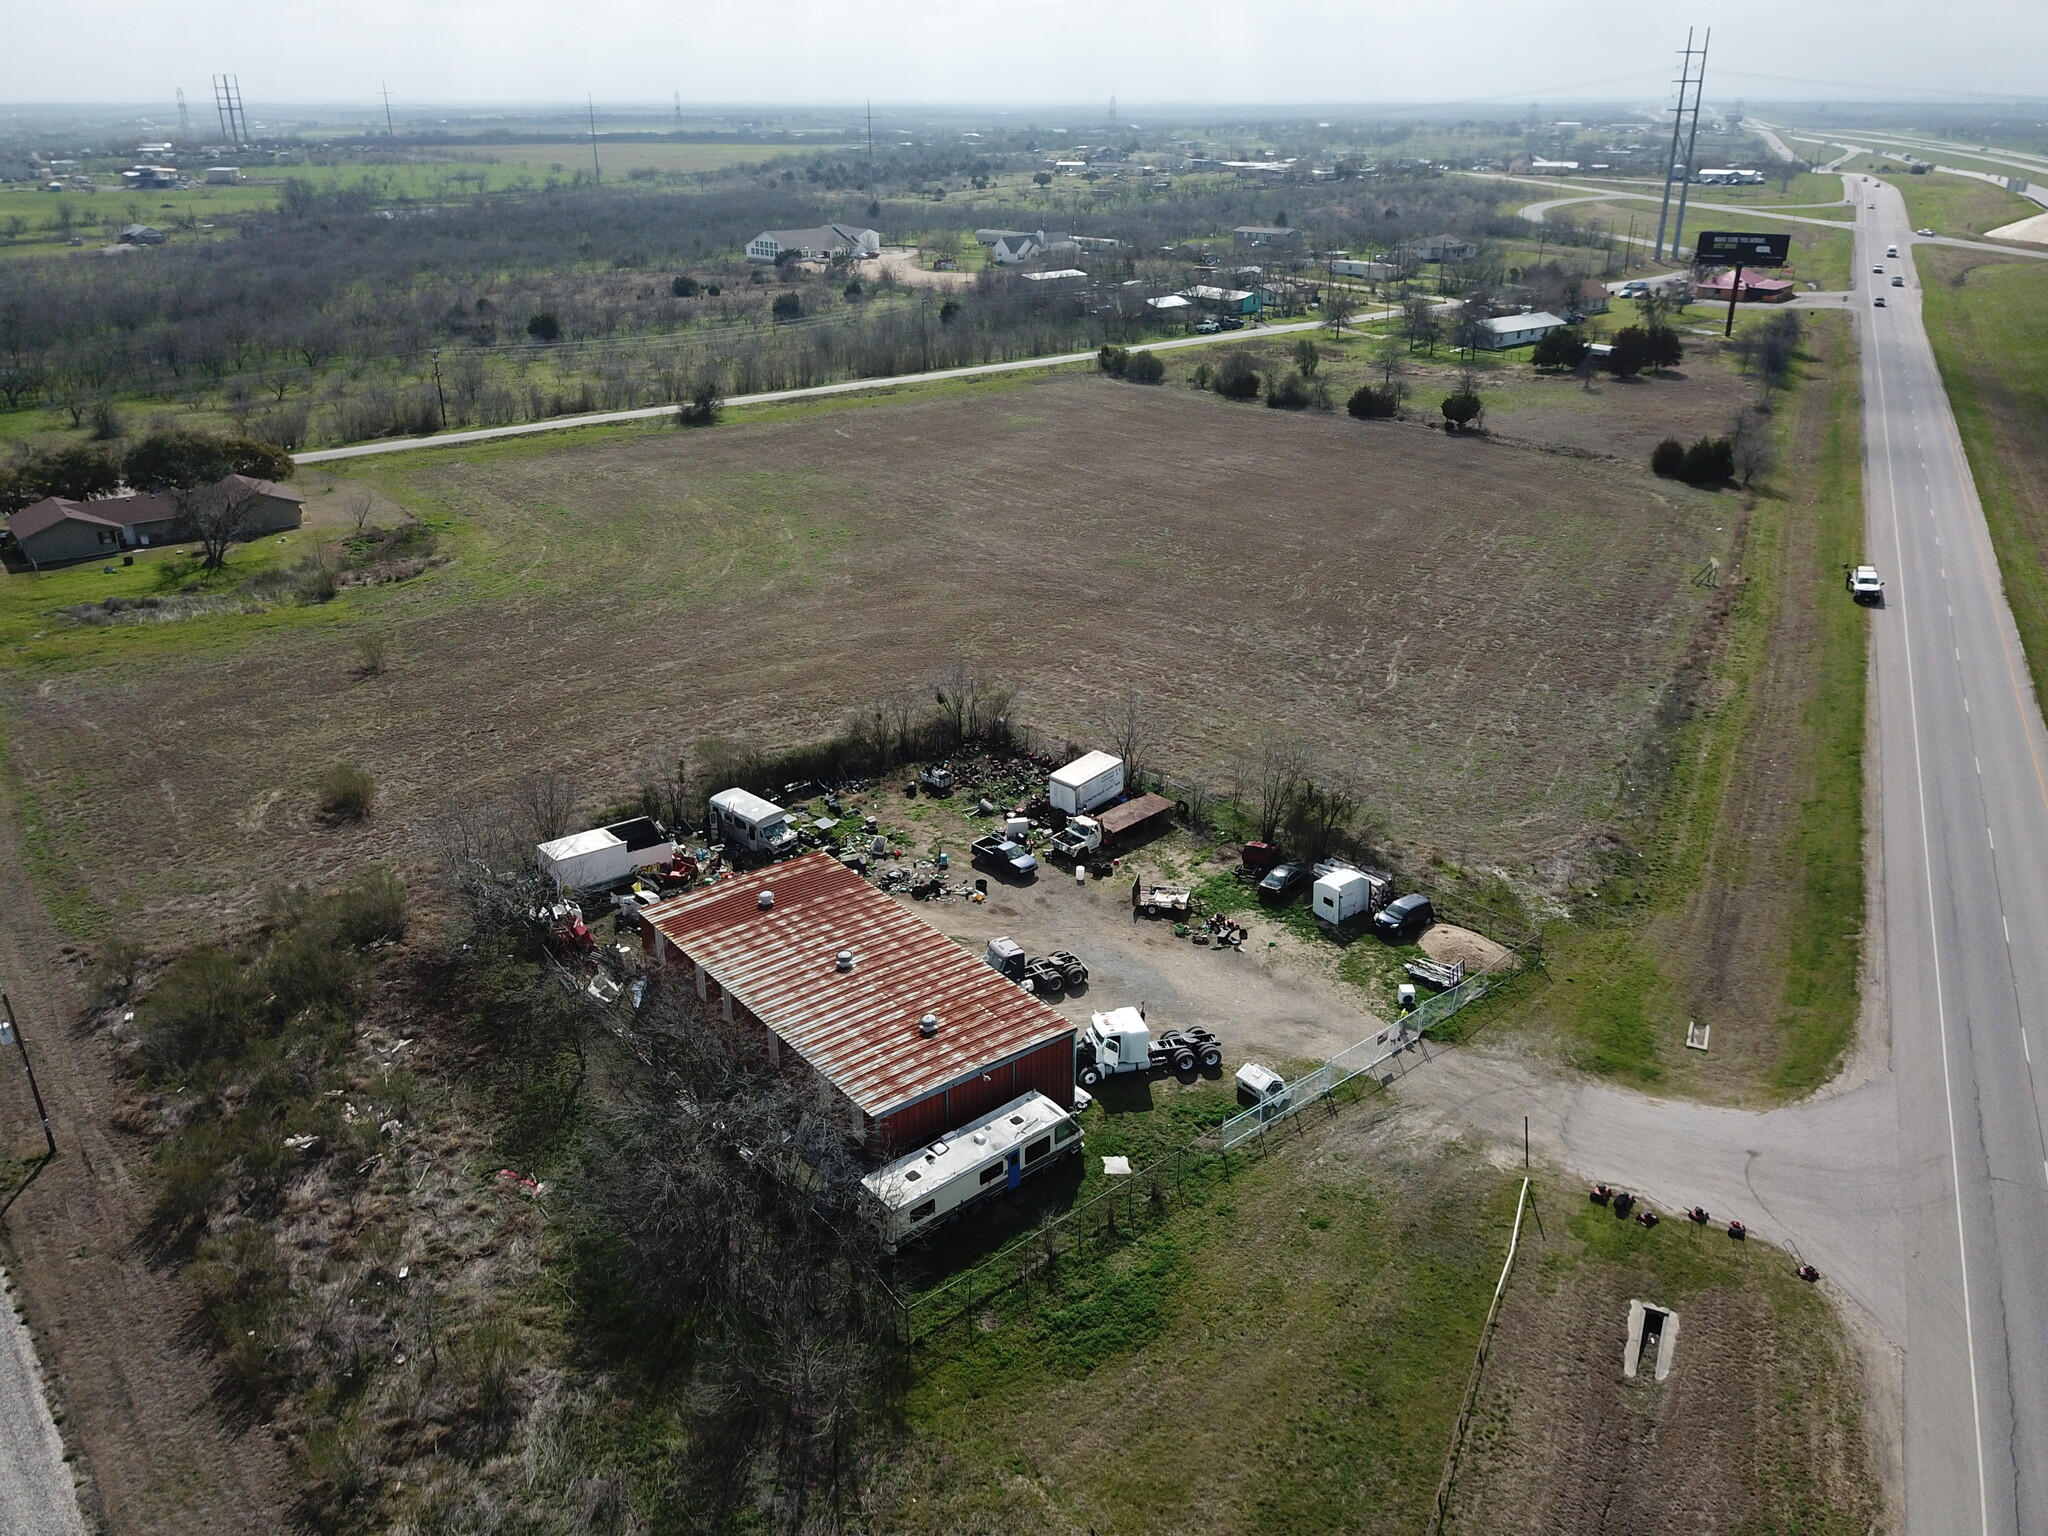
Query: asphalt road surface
36	1497
1964	761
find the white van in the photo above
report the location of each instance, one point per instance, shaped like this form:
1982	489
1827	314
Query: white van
1892	251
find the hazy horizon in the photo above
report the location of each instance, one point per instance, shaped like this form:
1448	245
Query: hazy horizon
1060	55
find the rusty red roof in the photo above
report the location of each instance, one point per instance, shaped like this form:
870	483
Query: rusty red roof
858	1028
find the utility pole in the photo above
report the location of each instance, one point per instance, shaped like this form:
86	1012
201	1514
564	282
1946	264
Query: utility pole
595	169
679	111
440	399
9	1029
390	131
1677	127
1692	138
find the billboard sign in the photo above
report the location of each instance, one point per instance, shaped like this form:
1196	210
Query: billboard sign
1738	249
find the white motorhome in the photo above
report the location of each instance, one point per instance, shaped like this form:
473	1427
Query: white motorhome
1085	783
603	856
747	824
981	1160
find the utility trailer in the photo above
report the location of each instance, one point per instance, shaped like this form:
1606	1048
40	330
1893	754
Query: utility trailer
1435	973
604	856
1120	1041
962	1169
1161	900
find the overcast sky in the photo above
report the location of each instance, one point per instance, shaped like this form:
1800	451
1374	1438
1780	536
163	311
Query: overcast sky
1024	51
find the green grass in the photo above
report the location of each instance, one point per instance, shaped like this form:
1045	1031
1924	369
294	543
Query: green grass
1957	205
1988	321
1611	991
1160	1385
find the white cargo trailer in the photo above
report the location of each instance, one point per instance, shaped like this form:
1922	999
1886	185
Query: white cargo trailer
1343	894
981	1160
603	856
747	824
1086	783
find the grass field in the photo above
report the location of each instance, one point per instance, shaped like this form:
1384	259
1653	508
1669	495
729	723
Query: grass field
1740	903
1986	319
1818	255
1474	631
1957	205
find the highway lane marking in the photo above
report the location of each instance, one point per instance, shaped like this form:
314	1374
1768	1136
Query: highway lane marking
1934	949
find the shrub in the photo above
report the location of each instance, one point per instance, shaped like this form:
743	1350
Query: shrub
1237	379
852	290
949	311
1710	461
202	1010
685	287
1462	410
1561	349
166	461
1144	368
346	793
1288	394
1665	349
1631	354
788	306
701	409
1667	457
1114	361
1372	403
545	326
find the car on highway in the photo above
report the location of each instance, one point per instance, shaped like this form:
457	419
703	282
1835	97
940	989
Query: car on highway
1925	233
1879	270
1891	251
1898	282
1865	585
1878	302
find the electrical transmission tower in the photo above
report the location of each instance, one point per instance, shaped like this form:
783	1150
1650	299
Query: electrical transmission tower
1691	79
227	100
184	117
390	128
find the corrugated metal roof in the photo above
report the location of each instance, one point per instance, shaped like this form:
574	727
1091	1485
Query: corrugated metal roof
858	1028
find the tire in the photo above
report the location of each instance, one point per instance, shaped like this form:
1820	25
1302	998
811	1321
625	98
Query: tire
1183	1061
1090	1076
1212	1057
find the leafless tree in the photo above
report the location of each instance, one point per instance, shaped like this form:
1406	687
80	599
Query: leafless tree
544	806
218	515
358	504
1319	818
1753	446
1276	779
1131	726
1390	361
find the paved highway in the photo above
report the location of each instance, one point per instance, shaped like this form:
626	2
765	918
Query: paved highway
1964	764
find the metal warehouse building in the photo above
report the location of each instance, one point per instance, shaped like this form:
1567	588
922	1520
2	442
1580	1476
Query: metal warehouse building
913	1033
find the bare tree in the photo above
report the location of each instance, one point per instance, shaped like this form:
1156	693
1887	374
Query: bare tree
218	515
358	503
1753	447
544	806
1277	778
1132	729
1319	818
1390	361
1419	324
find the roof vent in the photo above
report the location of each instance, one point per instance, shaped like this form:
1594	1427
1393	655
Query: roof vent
845	960
765	900
928	1025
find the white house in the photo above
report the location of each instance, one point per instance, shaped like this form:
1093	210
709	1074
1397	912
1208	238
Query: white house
1520	330
820	244
1444	248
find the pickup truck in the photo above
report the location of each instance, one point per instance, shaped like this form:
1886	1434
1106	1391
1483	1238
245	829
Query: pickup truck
1865	585
1000	853
1081	836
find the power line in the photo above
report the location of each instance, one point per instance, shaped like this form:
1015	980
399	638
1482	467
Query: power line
389	131
595	169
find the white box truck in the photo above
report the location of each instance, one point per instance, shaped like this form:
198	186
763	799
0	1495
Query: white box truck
586	861
750	828
1340	895
1086	783
981	1160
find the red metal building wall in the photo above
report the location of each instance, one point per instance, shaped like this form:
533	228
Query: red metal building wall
1048	1070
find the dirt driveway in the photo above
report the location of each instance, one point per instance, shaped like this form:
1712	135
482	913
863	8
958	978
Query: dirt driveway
1263	1002
900	262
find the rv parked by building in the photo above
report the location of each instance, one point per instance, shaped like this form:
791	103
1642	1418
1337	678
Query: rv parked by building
979	1161
751	828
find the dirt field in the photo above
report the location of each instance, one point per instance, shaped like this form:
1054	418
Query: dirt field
1476	633
1562	1443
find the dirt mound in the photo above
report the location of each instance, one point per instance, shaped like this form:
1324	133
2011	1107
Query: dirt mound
1447	944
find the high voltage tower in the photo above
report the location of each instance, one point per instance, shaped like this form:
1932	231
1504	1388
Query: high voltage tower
1691	79
184	117
227	100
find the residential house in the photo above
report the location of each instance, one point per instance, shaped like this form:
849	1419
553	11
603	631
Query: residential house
1443	248
1520	330
56	530
819	244
141	234
1265	234
1065	278
1223	301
